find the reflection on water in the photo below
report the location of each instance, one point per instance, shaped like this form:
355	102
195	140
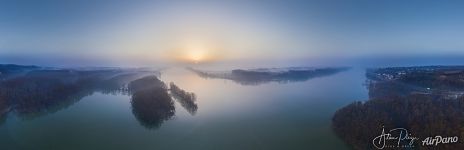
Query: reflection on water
31	93
266	75
186	99
407	100
41	92
297	115
151	103
3	107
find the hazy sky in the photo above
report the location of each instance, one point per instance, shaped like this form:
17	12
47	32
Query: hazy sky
104	32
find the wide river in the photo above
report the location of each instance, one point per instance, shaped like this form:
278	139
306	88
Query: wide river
230	115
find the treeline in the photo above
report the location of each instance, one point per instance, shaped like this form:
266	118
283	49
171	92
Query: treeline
9	69
424	100
260	76
422	115
42	92
150	101
444	82
186	99
453	80
434	77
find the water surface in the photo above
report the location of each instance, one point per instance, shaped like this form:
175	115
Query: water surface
293	115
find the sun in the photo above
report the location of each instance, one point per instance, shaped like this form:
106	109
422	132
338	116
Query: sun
196	56
196	53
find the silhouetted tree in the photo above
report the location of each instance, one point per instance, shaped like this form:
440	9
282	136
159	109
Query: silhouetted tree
186	99
151	103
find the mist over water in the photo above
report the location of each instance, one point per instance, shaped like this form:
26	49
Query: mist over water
205	74
225	112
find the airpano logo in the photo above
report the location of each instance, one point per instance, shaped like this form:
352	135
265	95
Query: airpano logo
401	138
434	141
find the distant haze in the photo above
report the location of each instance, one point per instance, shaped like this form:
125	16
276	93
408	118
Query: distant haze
241	32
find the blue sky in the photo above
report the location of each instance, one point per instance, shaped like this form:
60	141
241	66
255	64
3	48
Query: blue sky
104	32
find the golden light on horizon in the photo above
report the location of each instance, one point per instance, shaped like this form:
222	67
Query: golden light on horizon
196	54
195	51
196	57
